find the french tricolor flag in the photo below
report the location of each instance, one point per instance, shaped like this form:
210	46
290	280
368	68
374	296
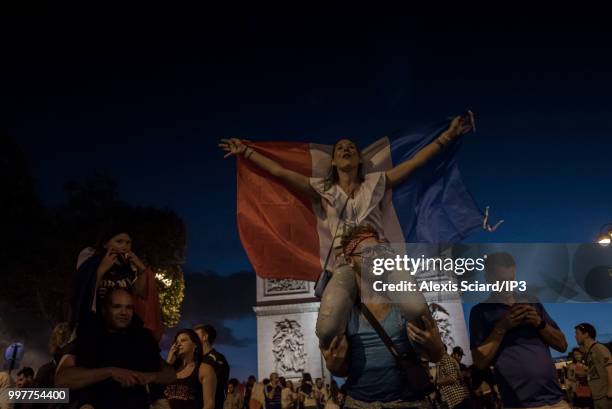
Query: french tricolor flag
285	235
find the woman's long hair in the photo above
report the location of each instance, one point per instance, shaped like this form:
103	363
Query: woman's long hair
332	177
197	353
573	355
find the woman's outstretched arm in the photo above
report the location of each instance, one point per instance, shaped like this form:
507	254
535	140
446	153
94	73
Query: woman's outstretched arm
234	146
459	126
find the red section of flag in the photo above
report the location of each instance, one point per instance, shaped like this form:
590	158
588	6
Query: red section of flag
278	227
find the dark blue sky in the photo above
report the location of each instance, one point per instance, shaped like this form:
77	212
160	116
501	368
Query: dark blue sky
144	97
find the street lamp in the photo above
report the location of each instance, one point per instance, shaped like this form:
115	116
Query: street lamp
605	235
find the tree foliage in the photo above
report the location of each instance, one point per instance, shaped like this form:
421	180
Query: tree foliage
40	245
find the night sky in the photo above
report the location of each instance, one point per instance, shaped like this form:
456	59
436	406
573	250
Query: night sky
144	95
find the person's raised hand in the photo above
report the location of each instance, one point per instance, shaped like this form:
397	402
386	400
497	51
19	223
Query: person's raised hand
135	261
109	259
232	146
461	124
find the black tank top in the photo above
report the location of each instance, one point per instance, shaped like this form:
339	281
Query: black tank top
185	393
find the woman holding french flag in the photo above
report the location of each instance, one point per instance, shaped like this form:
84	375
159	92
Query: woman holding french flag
295	201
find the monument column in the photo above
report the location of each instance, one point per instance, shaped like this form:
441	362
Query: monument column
286	313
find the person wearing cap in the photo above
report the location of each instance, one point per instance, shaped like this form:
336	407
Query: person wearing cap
458	355
449	381
208	335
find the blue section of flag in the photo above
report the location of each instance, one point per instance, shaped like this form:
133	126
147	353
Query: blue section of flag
433	205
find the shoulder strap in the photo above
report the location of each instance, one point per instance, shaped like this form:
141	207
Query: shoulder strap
379	329
331	247
590	348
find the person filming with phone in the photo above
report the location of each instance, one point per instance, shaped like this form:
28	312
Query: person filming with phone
514	337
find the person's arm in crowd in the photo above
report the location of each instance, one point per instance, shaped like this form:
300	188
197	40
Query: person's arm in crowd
208	379
458	126
427	339
69	375
164	376
171	358
142	279
301	183
569	380
335	356
140	285
483	354
550	334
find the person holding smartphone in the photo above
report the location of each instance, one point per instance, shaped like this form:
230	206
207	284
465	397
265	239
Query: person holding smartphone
514	337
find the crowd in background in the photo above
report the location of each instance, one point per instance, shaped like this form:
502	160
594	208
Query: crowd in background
458	385
108	354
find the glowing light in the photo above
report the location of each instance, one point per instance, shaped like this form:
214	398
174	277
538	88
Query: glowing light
604	240
162	278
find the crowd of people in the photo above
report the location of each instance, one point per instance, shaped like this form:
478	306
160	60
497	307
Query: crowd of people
108	354
111	360
277	392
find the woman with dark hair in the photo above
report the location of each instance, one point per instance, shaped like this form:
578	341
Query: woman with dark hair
348	197
306	394
112	263
196	381
578	385
248	389
233	398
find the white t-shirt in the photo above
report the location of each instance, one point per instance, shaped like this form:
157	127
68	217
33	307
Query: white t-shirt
365	207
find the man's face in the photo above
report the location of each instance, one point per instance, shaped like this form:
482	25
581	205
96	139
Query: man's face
230	388
366	247
319	383
501	273
202	335
21	381
457	357
273	378
119	310
580	337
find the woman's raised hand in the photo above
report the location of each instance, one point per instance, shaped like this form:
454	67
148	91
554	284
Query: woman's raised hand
135	262
462	124
233	146
109	259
